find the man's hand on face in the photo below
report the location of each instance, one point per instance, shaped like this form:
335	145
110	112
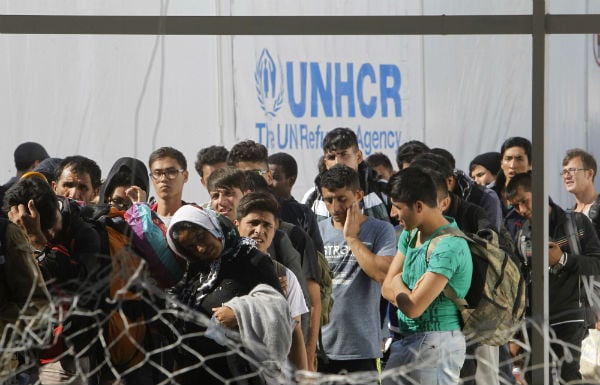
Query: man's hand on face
28	219
353	219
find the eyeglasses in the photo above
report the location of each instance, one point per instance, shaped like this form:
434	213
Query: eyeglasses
571	171
170	173
261	172
120	203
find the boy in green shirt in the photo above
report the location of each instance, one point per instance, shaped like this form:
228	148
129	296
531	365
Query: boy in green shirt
432	347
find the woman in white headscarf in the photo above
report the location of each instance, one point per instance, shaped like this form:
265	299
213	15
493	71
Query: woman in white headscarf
224	269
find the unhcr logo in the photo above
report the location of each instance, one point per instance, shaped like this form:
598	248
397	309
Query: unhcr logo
269	84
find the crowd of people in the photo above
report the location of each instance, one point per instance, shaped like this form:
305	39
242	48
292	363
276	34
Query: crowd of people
103	283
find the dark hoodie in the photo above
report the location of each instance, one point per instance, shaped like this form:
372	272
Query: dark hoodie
134	166
565	291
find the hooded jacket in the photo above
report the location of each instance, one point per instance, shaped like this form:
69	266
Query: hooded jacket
133	166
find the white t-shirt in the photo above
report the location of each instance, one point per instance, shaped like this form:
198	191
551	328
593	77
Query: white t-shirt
294	295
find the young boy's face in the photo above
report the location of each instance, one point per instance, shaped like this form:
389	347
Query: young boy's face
481	175
282	184
260	226
168	178
225	201
405	214
522	202
514	161
350	157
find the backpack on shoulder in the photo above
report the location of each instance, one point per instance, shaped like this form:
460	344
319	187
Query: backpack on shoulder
494	306
326	287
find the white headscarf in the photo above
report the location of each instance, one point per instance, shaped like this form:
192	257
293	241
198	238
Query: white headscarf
205	218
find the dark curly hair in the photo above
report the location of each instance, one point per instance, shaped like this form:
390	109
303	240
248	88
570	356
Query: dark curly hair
44	199
248	151
210	156
340	176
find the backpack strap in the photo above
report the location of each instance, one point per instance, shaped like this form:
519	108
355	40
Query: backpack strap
448	291
571	231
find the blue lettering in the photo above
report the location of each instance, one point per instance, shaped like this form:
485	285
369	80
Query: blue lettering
294	139
371	140
390	140
318	137
284	135
375	140
297	109
367	143
366	109
320	90
269	136
304	142
261	127
359	138
310	139
290	135
323	94
344	88
391	91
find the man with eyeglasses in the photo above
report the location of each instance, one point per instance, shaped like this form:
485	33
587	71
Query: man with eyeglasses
578	174
168	171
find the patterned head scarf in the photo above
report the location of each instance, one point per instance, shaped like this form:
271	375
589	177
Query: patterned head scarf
200	216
